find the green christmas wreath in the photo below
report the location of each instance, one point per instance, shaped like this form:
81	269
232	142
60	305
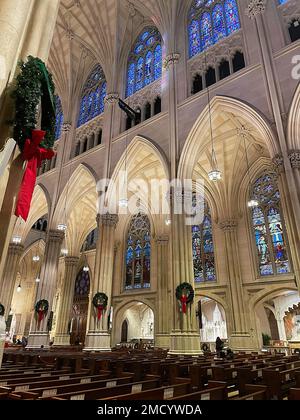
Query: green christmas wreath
34	84
100	301
41	309
2	310
185	295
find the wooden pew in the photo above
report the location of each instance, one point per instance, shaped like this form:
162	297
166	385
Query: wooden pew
215	390
254	392
279	382
93	393
294	394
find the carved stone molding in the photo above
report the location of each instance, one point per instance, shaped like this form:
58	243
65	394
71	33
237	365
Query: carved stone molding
294	157
107	220
111	98
15	249
89	128
56	236
147	94
71	261
255	7
229	225
225	48
171	59
66	127
278	164
162	240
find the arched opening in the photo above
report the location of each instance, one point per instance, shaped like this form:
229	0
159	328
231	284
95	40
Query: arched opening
80	306
278	320
224	69
147	111
212	322
99	138
197	84
210	77
157	106
294	30
124	334
77	149
138	118
137	321
238	61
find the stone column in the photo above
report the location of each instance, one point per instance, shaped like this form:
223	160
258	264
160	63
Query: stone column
111	101
14	17
39	334
7	283
240	337
185	335
62	337
162	329
98	337
2	337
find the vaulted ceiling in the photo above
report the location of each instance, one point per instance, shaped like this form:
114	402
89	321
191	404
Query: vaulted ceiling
101	31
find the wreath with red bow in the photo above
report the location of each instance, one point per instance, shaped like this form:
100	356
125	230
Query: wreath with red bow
185	295
2	310
100	301
41	309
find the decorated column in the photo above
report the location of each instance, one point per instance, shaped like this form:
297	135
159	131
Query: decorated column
62	337
163	325
2	332
98	337
40	327
8	280
240	337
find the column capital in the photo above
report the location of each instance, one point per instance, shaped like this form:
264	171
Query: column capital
66	127
278	163
56	236
162	240
228	225
111	98
16	249
294	157
255	8
71	261
171	59
107	220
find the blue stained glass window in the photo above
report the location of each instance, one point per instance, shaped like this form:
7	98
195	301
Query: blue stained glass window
145	61
269	228
158	62
203	249
194	36
59	118
82	284
138	253
92	102
148	68
282	1
209	22
232	16
206	31
219	30
102	97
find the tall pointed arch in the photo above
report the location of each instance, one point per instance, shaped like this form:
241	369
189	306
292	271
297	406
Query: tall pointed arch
138	253
145	61
92	96
268	227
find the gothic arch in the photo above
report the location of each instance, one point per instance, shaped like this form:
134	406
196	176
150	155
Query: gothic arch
293	132
223	104
40	205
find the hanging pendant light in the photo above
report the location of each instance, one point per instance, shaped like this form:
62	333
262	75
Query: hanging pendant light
19	288
17	240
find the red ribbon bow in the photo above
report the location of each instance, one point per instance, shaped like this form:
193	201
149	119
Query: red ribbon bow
35	156
99	312
183	301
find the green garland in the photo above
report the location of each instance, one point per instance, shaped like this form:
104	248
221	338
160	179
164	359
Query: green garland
2	310
187	289
100	299
34	84
44	304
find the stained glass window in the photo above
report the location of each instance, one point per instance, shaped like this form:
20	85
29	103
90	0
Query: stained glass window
82	284
209	22
138	253
93	95
268	227
59	118
145	61
282	1
203	249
